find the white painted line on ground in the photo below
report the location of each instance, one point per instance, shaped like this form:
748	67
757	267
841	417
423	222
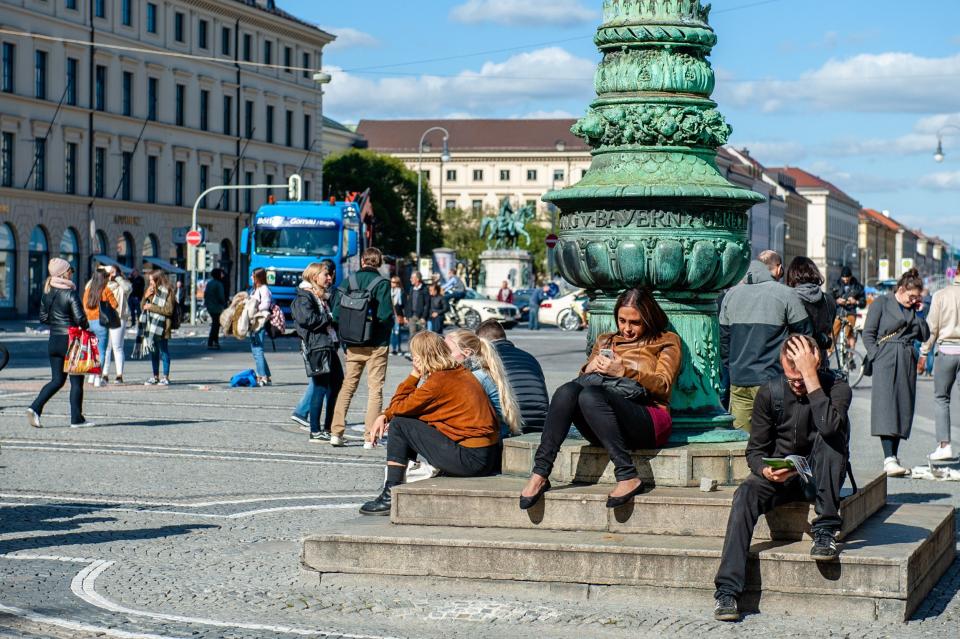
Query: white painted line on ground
77	626
239	515
140	453
76	560
83	585
178	504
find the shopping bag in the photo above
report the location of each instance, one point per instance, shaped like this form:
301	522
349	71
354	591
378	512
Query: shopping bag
83	353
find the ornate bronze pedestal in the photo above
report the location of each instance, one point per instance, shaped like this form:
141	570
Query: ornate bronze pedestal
653	210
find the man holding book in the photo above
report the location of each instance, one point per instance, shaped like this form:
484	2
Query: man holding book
802	412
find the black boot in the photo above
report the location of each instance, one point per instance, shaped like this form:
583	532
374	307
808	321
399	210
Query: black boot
380	505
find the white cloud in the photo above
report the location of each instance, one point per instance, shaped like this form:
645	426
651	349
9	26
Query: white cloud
885	82
521	81
555	114
942	181
774	152
348	37
523	12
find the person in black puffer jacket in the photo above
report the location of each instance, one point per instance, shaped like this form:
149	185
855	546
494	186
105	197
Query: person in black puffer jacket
804	277
314	323
60	309
524	375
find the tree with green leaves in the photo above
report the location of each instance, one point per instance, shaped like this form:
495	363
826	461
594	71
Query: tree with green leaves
393	193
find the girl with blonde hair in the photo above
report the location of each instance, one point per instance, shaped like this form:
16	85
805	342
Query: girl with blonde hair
481	358
314	322
441	413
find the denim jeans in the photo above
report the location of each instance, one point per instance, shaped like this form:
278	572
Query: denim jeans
303	406
325	387
256	347
160	353
395	338
100	330
533	321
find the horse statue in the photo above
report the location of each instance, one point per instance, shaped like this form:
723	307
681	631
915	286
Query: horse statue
505	230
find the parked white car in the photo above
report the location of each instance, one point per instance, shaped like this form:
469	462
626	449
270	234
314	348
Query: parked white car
474	309
565	311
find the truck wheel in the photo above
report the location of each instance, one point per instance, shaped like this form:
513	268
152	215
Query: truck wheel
471	320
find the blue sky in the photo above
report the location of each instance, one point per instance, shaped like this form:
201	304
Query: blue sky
853	90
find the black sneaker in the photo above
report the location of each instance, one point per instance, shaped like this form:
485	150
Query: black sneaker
725	609
824	546
322	436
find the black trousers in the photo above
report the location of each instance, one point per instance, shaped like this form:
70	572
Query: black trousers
214	338
411	437
57	349
757	496
605	419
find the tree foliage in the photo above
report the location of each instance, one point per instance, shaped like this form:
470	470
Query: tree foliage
393	191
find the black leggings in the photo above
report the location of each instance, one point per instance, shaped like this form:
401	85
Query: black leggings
891	445
410	437
214	337
605	419
57	348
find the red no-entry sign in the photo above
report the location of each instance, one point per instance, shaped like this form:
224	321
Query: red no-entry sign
194	238
552	240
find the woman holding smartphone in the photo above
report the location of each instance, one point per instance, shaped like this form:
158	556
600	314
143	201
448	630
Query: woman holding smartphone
889	332
621	399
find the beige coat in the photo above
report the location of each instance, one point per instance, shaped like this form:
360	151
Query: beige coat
944	318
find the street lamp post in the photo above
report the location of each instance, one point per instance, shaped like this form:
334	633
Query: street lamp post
786	235
938	154
444	157
846	254
321	79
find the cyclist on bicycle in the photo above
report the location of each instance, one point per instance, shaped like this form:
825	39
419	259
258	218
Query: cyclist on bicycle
849	294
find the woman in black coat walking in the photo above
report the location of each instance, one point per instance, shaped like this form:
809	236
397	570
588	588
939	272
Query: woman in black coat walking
437	309
804	277
891	328
314	323
61	310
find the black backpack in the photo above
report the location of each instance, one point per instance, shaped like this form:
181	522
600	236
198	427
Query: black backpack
357	312
177	315
777	394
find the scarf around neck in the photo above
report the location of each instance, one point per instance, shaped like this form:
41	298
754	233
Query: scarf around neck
62	283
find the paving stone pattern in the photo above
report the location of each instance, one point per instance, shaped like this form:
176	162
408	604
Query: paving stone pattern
181	515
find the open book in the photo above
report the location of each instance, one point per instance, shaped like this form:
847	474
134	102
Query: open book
791	462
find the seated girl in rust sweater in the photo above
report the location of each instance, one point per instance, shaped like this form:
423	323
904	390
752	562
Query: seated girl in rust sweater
447	420
621	399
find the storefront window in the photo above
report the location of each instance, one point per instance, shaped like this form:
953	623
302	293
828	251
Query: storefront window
126	250
70	251
38	256
8	267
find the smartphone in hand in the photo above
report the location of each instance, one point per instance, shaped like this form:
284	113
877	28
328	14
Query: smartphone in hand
606	352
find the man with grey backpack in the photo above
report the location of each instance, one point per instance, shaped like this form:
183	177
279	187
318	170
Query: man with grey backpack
363	313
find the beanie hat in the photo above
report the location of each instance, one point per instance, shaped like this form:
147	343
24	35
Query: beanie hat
58	267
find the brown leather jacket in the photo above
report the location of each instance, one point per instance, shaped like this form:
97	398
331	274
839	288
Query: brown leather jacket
654	363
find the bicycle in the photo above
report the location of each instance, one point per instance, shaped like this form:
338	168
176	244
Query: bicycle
849	361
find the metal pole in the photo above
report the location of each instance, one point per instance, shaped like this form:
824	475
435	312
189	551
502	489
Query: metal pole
446	136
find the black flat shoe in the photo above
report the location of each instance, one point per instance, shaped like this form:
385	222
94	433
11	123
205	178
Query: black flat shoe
526	503
616	502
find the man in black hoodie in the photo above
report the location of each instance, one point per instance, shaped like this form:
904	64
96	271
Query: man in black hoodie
850	296
801	412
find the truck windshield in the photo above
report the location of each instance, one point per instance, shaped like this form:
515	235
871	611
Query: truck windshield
297	241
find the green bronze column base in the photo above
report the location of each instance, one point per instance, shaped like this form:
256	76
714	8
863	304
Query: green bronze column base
692	429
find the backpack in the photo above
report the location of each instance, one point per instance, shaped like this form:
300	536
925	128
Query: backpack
777	393
277	324
356	312
176	317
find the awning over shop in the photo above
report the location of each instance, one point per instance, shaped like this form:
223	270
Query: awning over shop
106	260
166	266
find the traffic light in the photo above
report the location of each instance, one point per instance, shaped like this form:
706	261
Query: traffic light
294	188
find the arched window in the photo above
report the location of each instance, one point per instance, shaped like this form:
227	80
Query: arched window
151	246
38	256
101	244
70	251
8	266
126	250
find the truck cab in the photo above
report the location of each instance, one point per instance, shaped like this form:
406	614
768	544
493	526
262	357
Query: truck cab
287	236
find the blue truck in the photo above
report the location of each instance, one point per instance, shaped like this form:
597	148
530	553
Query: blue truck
285	237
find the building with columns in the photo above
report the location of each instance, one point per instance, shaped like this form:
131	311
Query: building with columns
107	140
767	225
489	159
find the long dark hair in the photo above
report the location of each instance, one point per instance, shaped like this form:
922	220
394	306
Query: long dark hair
98	282
651	315
910	279
803	270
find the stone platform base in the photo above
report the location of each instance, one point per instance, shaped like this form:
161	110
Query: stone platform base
887	565
492	502
683	465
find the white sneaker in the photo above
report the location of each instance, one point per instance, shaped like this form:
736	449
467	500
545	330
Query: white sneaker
368	446
336	440
892	467
32	418
942	453
86	424
97	381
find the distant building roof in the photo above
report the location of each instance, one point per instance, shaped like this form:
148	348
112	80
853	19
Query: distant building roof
403	136
270	6
805	179
883	220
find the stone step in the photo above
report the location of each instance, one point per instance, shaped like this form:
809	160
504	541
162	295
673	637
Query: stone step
683	465
887	566
492	502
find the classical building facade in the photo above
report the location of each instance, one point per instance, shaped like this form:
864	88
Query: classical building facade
794	233
489	159
833	219
878	245
107	139
767	223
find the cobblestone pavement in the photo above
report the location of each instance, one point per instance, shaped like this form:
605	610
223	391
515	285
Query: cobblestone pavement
181	515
